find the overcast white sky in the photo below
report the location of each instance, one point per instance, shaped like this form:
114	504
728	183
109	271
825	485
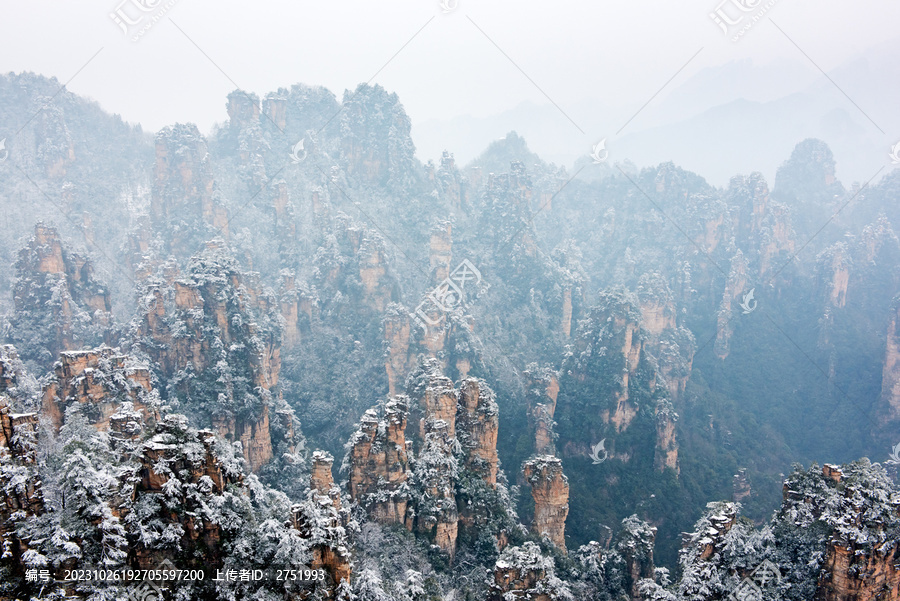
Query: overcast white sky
620	51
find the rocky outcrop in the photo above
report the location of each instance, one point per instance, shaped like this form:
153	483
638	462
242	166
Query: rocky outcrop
214	334
735	289
438	403
523	573
740	486
543	390
440	252
355	258
616	324
321	480
709	537
890	379
58	303
846	517
435	477
417	482
397	338
184	198
835	265
375	137
167	469
322	521
855	567
17	431
193	469
101	381
776	239
635	544
671	345
378	464
478	423
252	432
666	444
373	272
20	489
851	574
449	182
163	457
550	490
297	308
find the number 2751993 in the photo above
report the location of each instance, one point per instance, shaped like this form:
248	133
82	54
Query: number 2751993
306	575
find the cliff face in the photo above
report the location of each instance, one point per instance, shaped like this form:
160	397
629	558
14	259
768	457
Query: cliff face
375	137
613	375
454	186
479	422
890	387
397	363
437	481
435	478
702	546
163	459
322	520
550	489
670	344
215	337
354	259
851	575
184	200
456	443
854	568
440	252
836	266
136	499
378	463
666	443
196	471
297	308
735	289
436	466
58	303
635	544
20	490
101	380
839	522
542	390
522	573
